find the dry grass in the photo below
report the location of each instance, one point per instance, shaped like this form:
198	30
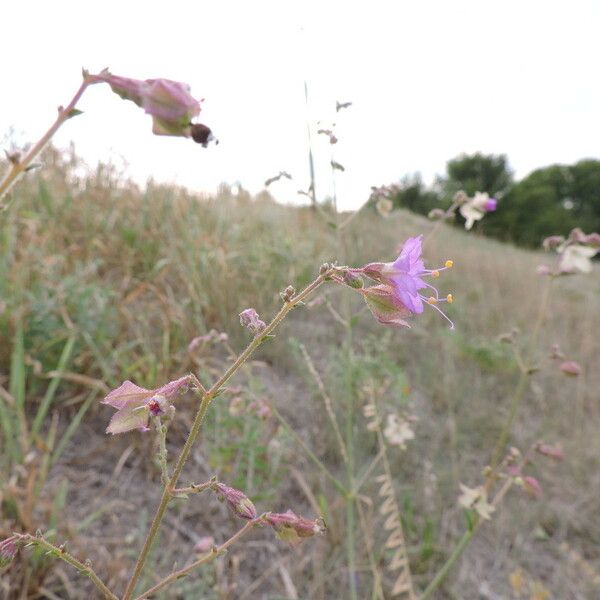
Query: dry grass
137	274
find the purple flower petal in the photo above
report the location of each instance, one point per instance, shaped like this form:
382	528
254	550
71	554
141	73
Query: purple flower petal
127	392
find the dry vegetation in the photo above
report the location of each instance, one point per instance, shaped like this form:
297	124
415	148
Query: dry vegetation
134	275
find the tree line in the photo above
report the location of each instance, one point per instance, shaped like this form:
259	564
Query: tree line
551	200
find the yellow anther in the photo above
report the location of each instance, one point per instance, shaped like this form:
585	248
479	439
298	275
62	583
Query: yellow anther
450	298
449	264
431	300
435	273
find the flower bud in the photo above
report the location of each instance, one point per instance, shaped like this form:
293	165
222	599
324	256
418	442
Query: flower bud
249	319
570	368
552	242
169	103
237	501
353	280
8	550
288	293
292	529
593	240
532	486
204	544
553	452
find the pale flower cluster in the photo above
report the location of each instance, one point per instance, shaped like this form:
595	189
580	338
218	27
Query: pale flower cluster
476	499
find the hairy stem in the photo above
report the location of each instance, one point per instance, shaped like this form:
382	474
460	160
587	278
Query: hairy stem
161	456
62	554
207	398
196	488
20	166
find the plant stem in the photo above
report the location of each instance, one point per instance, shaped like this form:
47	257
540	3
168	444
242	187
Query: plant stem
207	398
195	488
20	166
214	553
161	431
462	544
525	369
58	552
441	575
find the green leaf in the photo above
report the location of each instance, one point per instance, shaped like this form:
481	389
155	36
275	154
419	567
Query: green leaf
74	112
46	402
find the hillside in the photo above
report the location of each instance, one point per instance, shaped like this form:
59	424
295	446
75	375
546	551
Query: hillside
132	276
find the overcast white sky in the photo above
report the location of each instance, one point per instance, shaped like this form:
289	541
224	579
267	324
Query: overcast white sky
428	80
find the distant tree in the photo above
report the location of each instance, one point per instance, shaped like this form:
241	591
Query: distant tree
549	201
477	173
411	193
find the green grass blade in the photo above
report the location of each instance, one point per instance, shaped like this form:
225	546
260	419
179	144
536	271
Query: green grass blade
17	392
8	429
73	425
51	391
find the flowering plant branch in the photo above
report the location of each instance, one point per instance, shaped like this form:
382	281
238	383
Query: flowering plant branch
169	103
206	398
215	552
84	568
18	165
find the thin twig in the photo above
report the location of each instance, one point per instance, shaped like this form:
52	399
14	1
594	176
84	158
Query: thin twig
20	166
62	554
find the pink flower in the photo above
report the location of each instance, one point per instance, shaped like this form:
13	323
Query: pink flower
474	209
135	404
170	104
576	252
291	528
237	501
404	278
